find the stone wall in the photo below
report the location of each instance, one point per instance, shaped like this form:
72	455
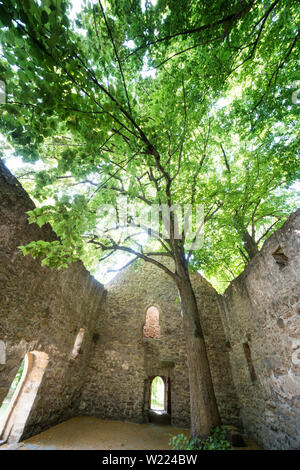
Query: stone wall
42	310
261	316
124	362
252	333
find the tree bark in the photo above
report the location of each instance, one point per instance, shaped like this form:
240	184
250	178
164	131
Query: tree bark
203	404
249	245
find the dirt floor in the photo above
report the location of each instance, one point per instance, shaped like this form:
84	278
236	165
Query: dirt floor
88	433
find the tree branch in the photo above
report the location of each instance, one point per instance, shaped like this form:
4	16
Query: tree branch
227	19
116	54
116	247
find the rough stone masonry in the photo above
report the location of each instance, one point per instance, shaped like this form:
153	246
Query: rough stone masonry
251	332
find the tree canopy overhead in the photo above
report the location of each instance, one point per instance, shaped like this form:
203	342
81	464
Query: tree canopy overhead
148	98
164	102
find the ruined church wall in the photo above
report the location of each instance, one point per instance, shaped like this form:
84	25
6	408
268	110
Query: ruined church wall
261	316
252	334
42	310
123	362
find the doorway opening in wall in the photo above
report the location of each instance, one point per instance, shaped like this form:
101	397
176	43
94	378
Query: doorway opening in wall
7	400
21	396
159	410
157	394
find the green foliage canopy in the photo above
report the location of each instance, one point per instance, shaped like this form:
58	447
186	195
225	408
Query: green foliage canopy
177	102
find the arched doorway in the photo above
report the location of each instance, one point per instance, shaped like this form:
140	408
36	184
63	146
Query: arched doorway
159	408
157	397
22	397
11	392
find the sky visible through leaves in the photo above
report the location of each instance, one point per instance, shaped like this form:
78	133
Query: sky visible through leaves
234	156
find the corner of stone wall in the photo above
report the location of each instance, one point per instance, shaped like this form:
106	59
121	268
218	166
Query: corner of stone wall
43	310
260	312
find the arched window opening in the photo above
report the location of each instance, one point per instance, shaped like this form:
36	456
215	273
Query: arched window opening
152	326
280	258
24	389
157	401
78	343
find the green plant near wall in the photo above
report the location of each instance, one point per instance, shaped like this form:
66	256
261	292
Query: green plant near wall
216	441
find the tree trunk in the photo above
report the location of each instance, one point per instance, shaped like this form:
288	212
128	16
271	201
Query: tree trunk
204	410
249	245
